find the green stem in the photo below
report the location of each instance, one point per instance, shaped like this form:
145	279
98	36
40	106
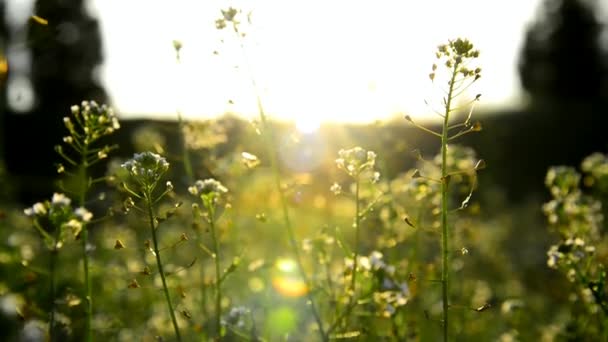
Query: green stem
85	238
269	139
445	240
52	266
356	247
149	201
218	275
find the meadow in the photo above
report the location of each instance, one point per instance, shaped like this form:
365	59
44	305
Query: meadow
254	231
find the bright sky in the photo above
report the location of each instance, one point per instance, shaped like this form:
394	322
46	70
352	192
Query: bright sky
338	60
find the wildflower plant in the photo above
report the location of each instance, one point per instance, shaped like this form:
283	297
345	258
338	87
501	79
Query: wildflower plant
145	173
358	163
457	58
577	217
81	149
210	192
56	220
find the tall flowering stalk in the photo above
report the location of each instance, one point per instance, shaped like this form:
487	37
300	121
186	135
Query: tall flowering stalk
145	172
55	220
456	57
88	123
359	165
210	191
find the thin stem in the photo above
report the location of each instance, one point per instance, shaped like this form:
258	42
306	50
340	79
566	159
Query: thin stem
269	139
84	185
445	266
149	201
356	247
216	259
52	266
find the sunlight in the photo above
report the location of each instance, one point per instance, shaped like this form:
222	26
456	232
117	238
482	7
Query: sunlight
286	279
353	62
307	125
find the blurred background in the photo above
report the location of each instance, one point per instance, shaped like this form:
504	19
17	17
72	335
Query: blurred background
544	85
332	75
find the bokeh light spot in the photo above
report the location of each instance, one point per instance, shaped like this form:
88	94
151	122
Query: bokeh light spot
286	279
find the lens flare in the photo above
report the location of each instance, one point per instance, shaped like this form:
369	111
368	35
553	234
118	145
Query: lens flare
286	279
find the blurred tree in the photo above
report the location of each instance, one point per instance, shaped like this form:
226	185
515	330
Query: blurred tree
65	47
561	60
3	73
65	54
563	69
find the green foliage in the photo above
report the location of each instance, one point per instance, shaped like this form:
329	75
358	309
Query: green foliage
577	218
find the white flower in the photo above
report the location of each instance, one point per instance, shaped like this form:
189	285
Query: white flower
207	186
74	225
375	259
336	189
36	210
355	160
146	167
365	263
60	199
83	214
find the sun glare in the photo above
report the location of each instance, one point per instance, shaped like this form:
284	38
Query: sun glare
339	61
307	125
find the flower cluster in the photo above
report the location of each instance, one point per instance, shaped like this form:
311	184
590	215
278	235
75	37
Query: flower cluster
568	253
562	180
206	187
595	167
90	121
55	218
228	16
457	53
209	191
146	169
390	293
199	135
572	213
577	218
356	161
236	317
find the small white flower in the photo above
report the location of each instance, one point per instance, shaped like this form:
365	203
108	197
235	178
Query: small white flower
169	186
207	186
147	167
115	123
37	209
375	259
83	214
60	199
376	177
250	160
365	263
74	225
336	189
